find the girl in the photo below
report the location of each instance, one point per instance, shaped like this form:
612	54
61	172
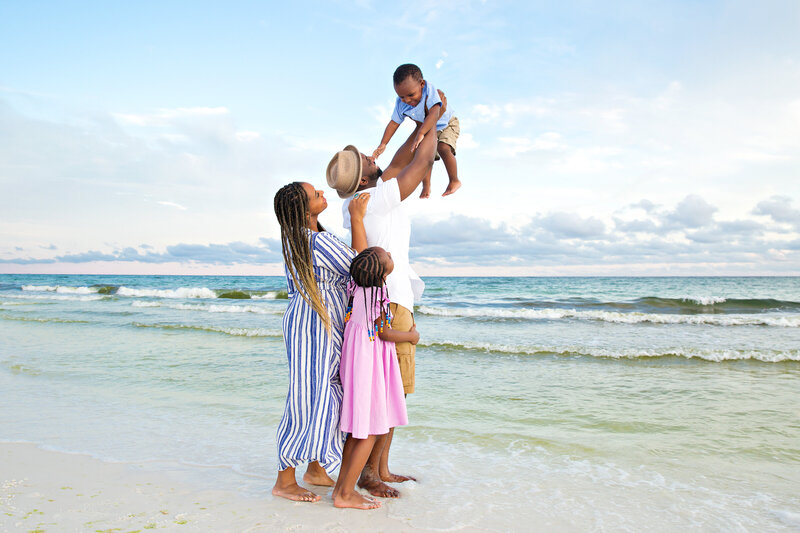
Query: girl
373	400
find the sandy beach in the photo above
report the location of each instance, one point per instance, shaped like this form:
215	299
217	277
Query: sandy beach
47	491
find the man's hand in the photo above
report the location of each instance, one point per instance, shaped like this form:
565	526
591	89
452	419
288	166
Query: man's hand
378	151
443	98
358	206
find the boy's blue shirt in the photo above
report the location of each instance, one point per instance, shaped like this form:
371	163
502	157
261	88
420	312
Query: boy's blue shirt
429	95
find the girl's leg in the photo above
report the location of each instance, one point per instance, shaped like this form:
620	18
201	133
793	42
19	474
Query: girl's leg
449	160
316	475
286	487
354	458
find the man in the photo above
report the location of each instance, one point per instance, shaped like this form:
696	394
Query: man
388	226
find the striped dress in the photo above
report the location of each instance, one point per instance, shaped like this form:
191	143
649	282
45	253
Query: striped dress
309	430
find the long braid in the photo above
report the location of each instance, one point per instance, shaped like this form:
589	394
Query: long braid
291	208
368	272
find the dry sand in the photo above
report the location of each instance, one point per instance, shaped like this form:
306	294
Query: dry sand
60	492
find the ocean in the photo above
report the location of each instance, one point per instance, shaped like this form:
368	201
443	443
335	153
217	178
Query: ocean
549	404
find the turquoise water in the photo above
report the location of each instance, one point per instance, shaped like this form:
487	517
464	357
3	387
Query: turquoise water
610	404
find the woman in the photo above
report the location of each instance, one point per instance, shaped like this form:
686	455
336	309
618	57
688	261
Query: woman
317	271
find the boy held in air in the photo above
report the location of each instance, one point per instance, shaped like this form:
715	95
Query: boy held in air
414	97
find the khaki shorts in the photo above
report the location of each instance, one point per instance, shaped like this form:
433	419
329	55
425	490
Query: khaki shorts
449	135
402	320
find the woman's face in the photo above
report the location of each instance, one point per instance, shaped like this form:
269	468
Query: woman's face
316	199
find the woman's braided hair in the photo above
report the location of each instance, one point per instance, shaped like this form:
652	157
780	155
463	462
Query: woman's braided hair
368	272
291	208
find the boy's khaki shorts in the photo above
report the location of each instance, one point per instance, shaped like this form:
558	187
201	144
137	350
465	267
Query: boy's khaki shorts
449	135
402	320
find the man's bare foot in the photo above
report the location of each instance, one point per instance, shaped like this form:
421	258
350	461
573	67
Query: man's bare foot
296	493
319	478
355	501
376	487
426	192
452	187
396	478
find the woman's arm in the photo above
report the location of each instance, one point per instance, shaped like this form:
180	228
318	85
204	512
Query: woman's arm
358	208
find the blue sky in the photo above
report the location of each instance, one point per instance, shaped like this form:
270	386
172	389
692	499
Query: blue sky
597	137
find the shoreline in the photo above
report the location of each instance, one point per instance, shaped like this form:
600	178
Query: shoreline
43	490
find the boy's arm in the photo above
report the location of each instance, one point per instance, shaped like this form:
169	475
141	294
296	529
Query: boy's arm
392	335
391	127
430	122
357	209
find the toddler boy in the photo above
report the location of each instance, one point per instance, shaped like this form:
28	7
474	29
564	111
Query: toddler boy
414	96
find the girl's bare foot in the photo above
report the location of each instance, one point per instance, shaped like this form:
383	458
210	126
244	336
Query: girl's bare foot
295	492
452	187
396	478
355	501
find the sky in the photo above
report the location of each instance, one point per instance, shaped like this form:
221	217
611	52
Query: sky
597	138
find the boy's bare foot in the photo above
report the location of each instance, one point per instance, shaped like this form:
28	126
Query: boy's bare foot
452	187
396	478
321	479
426	192
355	501
375	486
296	493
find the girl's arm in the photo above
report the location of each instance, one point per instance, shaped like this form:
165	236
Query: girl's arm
388	133
392	335
358	208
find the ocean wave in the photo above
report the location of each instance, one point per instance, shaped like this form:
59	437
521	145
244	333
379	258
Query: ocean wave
236	332
713	355
59	297
61	289
788	321
182	292
42	320
213	308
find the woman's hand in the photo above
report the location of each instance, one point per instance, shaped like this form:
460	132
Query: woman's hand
358	206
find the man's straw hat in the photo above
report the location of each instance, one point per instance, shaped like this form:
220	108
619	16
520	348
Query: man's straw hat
344	171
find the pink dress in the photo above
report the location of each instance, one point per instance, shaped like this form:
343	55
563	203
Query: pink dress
373	400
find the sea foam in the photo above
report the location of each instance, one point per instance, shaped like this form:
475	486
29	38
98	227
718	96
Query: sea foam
182	292
785	321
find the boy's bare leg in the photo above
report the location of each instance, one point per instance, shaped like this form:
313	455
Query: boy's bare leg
286	487
385	474
370	476
426	186
449	160
316	475
355	454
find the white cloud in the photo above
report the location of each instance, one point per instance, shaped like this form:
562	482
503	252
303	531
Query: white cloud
173	204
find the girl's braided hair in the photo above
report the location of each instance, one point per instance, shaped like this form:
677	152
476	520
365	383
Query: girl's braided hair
291	208
368	272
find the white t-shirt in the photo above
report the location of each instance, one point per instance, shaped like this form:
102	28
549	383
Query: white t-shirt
389	227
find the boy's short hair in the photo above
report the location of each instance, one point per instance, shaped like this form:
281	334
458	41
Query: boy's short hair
407	71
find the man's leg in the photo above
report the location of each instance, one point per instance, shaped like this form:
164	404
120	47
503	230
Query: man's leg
402	320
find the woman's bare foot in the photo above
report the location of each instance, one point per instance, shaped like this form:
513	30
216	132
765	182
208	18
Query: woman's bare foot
375	486
296	493
355	501
316	475
396	478
452	187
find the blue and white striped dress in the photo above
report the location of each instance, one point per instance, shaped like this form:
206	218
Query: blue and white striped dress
309	430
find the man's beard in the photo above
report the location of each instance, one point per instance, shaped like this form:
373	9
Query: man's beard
375	175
